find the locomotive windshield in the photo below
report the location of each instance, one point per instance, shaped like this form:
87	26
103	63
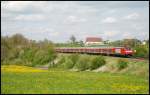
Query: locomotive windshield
127	48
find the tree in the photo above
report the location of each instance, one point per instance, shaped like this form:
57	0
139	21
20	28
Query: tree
73	39
131	42
146	41
81	43
106	42
19	40
116	43
4	48
28	52
142	51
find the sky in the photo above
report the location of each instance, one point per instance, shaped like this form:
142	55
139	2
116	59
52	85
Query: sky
58	20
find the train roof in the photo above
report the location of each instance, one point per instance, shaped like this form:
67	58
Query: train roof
88	47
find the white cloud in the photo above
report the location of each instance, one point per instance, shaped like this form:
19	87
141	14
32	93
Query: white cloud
132	16
15	5
5	15
32	17
74	19
128	35
137	26
110	33
54	33
58	20
109	20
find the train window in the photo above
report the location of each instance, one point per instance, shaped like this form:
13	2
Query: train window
128	48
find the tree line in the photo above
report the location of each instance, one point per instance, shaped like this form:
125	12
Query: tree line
19	50
141	47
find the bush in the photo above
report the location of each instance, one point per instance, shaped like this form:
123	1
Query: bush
43	57
18	49
52	65
122	63
83	63
5	62
68	64
4	52
17	61
97	62
61	61
28	55
142	51
74	58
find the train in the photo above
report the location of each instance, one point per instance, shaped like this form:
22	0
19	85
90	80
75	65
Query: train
121	51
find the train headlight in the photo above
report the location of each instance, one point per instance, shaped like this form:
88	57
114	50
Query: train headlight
134	50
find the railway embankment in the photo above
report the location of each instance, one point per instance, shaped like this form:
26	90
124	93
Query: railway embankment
133	66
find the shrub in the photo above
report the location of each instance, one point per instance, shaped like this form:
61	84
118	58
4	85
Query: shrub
68	64
5	62
74	58
97	62
142	51
28	54
122	63
52	65
83	63
17	49
61	61
43	57
17	61
4	52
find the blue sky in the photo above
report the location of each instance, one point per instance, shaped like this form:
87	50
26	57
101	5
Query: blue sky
58	20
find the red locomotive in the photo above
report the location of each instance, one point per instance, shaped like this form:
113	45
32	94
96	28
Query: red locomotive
97	50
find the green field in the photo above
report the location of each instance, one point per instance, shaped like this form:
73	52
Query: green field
61	81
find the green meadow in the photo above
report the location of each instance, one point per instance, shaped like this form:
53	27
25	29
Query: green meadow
57	81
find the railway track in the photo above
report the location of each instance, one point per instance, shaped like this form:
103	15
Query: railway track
132	58
139	59
118	56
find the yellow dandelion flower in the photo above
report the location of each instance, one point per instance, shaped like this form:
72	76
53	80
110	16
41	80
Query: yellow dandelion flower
15	68
128	87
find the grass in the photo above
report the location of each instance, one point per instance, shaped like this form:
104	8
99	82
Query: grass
19	69
140	68
134	67
56	81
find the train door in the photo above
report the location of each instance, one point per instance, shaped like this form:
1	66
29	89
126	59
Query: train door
118	50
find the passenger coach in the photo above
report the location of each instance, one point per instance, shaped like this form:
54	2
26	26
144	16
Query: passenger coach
97	50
